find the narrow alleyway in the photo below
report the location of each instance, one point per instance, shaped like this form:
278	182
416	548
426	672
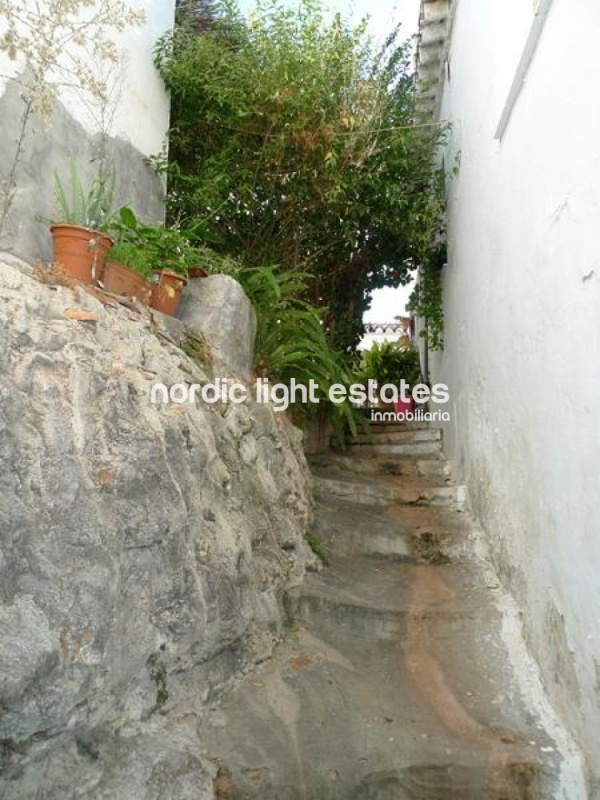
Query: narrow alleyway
396	681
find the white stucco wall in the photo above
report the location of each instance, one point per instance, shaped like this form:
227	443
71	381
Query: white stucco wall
522	306
121	132
138	107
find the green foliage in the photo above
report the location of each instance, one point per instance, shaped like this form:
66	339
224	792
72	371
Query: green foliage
91	208
293	141
132	255
162	246
158	674
426	300
391	362
427	303
291	342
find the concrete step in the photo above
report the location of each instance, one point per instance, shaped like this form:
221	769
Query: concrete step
374	429
395	680
421	534
388	490
371	464
415	701
371	598
397	439
398	426
428	448
386	434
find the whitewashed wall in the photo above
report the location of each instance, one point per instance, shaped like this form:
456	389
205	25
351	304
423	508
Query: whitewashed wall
133	123
522	305
137	92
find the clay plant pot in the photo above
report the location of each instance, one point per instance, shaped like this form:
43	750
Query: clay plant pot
197	272
122	280
81	251
167	287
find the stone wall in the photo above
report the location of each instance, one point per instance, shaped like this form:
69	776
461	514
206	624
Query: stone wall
144	549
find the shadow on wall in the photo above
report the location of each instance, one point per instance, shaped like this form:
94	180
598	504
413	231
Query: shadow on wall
48	148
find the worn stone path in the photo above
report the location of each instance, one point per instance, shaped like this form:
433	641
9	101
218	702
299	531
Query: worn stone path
397	680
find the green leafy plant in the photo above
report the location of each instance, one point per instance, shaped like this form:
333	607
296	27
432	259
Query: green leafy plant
427	303
165	246
90	208
391	362
319	549
291	342
134	256
293	141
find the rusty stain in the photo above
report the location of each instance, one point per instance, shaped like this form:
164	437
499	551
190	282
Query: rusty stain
256	774
72	646
106	478
300	661
506	769
222	785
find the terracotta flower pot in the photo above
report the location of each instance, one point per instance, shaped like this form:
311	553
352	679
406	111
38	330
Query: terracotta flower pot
122	280
81	251
167	287
197	272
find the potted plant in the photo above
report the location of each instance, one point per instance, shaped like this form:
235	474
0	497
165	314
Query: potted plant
80	236
170	253
128	270
197	272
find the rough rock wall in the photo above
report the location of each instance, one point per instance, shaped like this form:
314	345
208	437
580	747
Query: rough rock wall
143	548
217	308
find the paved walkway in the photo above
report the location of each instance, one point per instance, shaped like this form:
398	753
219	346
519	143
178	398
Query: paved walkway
396	681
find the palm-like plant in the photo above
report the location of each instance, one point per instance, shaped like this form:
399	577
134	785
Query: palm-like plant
291	341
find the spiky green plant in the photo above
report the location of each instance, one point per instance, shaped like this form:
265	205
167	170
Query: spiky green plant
91	208
291	341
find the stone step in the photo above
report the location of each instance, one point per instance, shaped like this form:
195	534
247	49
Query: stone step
388	491
433	468
428	448
387	435
416	701
398	426
394	681
379	426
418	533
371	598
357	462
